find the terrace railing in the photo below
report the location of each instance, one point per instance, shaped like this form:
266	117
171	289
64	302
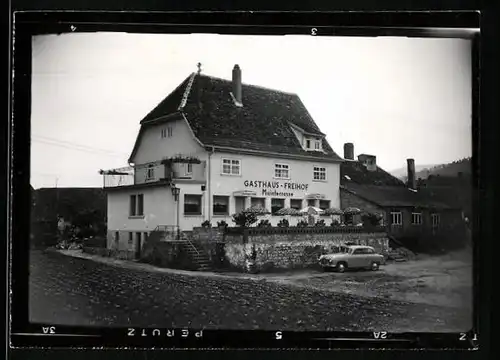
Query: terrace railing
118	177
305	230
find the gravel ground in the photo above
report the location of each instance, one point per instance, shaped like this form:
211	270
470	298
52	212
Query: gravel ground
74	291
440	280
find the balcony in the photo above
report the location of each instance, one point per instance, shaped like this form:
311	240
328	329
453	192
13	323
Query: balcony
154	172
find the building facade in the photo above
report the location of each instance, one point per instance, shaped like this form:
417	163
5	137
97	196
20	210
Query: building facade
408	210
213	148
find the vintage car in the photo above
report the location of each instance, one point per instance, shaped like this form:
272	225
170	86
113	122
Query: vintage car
352	257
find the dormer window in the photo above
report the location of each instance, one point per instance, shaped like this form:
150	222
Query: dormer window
312	144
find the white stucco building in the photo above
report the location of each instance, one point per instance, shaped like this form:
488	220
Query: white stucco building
226	146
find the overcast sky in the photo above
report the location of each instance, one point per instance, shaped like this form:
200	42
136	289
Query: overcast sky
395	98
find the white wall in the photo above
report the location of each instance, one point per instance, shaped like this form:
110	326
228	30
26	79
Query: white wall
158	209
256	168
152	147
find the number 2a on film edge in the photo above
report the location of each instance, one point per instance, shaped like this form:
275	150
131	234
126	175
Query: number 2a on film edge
463	337
314	31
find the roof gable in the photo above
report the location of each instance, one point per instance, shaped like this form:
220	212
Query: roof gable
262	124
170	104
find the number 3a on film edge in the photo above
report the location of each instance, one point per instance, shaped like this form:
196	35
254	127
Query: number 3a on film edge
314	31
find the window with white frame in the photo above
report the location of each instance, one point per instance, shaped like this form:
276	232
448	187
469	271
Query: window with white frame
396	218
435	220
150	172
296	204
312	144
416	218
189	169
231	167
281	171
192	204
319	173
136	205
258	202
276	205
324	204
221	205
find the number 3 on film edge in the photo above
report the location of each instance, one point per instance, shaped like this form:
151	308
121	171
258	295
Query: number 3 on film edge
314	31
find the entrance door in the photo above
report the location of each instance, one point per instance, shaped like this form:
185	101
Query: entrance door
138	245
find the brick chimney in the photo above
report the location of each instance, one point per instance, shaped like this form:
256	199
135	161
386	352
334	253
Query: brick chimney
349	151
237	85
411	173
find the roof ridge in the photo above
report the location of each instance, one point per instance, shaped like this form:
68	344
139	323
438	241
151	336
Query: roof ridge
251	85
186	91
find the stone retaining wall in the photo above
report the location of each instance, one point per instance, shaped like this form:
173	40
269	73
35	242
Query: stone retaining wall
290	248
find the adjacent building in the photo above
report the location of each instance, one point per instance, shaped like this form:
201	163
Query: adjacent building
214	147
407	208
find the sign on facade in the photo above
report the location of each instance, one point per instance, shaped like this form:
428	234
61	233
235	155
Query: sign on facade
276	188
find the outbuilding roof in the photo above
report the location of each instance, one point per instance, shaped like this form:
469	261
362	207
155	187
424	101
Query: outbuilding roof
264	122
398	196
354	171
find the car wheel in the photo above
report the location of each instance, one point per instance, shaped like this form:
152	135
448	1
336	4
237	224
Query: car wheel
375	266
341	267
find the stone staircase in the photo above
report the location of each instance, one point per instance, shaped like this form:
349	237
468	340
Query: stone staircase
199	256
396	256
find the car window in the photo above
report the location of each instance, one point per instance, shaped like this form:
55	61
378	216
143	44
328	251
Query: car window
358	251
370	251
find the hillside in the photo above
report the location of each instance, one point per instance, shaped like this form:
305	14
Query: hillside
401	172
463	166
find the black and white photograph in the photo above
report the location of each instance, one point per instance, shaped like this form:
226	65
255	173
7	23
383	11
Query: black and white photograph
251	182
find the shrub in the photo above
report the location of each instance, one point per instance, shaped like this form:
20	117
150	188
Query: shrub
371	219
320	223
206	224
244	219
302	223
335	223
283	223
264	223
222	223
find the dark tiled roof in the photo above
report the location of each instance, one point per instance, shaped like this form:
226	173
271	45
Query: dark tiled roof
398	196
358	173
261	124
459	196
170	104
